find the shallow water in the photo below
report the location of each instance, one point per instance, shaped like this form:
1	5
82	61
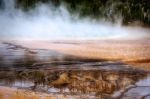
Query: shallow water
52	72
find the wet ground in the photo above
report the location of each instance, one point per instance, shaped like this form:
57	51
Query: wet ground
48	71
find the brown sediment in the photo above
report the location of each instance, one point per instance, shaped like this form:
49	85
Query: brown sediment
131	52
101	79
140	63
144	66
12	93
79	82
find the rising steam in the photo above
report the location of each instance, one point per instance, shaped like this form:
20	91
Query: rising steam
47	23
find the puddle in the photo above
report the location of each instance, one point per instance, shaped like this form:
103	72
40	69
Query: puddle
51	72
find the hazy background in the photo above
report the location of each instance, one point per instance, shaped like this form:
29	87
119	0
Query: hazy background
46	22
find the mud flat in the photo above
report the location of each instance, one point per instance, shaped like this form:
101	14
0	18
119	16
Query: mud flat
133	52
57	70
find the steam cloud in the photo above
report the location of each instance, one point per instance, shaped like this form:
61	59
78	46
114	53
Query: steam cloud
46	23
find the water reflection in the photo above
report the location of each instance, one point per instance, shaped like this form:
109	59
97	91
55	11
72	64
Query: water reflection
98	82
52	72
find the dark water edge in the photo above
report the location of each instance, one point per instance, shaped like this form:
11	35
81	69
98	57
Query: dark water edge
52	72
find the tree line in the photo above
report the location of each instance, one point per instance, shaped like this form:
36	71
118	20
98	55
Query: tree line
129	10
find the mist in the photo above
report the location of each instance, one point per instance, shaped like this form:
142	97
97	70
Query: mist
44	22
